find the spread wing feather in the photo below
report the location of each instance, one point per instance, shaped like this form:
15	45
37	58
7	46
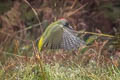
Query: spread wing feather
70	41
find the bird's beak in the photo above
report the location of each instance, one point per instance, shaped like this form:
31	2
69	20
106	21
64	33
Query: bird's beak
70	27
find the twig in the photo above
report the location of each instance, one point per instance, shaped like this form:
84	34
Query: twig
29	27
12	54
104	43
76	10
98	34
34	13
12	36
74	3
100	51
16	46
36	53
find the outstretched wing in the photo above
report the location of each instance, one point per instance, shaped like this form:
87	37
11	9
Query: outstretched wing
71	41
60	38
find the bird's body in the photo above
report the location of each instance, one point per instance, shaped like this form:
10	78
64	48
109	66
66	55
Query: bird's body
58	36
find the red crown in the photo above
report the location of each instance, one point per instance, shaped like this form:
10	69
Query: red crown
62	19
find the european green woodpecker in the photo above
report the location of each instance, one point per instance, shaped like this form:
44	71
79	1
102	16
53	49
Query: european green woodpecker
59	35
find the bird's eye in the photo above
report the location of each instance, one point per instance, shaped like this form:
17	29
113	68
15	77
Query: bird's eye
66	24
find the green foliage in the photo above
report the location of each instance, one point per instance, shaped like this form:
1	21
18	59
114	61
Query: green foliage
91	39
83	50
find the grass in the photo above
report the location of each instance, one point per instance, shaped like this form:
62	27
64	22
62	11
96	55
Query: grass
22	68
57	72
19	64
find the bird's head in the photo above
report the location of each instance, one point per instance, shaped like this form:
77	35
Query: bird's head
63	22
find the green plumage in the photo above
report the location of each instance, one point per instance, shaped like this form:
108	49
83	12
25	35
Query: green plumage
53	36
58	36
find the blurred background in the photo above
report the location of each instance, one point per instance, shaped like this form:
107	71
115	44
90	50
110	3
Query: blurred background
23	21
